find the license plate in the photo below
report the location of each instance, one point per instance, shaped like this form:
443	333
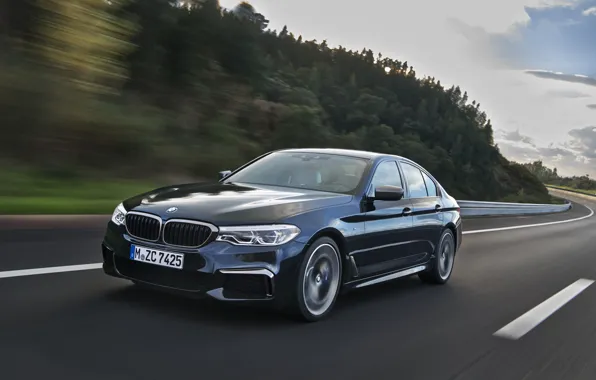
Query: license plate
156	257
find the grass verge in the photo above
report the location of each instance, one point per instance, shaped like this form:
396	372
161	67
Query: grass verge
23	193
573	190
56	206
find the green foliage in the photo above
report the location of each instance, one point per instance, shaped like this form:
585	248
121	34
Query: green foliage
26	191
85	39
205	89
551	177
567	188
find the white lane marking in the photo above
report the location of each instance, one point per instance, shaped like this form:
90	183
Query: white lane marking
37	271
522	325
532	225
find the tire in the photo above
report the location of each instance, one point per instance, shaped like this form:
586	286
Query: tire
443	261
319	280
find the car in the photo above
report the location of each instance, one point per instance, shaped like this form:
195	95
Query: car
293	228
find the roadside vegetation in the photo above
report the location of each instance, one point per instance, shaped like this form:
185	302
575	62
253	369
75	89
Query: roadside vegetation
100	100
568	188
29	192
580	184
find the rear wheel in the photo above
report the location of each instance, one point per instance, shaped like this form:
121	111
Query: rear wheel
443	261
319	280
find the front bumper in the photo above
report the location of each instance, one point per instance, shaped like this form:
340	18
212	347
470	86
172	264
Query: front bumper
218	270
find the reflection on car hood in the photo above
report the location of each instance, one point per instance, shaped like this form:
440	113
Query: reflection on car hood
226	204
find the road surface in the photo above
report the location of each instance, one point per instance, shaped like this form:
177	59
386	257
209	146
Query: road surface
520	305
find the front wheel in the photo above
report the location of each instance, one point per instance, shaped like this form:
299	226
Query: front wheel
443	261
319	280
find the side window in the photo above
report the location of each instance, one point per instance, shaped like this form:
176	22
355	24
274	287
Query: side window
430	186
415	181
387	174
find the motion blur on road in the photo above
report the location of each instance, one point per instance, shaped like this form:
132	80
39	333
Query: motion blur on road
104	100
85	325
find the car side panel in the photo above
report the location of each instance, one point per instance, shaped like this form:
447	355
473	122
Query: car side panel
427	227
388	238
452	218
345	224
427	212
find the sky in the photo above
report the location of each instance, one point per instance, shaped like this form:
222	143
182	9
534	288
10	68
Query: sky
530	63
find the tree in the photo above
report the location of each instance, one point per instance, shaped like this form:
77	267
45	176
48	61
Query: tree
85	40
203	86
246	11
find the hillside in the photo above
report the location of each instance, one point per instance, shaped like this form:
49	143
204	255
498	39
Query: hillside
149	89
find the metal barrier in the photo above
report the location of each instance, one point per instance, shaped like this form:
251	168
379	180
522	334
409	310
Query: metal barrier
477	208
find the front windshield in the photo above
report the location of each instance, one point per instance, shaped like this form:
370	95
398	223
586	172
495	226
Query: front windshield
312	171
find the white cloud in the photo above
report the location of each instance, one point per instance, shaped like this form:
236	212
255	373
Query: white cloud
574	156
454	41
590	11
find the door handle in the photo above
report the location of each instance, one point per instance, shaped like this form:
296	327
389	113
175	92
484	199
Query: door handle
407	211
437	207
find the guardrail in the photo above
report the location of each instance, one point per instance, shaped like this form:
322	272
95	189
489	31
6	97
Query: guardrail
477	208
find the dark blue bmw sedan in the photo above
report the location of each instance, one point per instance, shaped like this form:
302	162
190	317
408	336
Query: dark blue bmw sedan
292	227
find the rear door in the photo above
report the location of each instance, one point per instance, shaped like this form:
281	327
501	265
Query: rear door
426	206
387	226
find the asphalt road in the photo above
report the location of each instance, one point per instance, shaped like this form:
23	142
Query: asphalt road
85	325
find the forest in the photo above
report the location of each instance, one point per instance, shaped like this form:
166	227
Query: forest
162	91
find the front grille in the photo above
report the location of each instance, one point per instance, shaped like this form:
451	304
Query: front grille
173	278
143	227
186	234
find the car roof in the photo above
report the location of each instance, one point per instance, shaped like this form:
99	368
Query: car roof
342	152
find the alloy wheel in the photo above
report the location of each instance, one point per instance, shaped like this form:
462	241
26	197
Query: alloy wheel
321	279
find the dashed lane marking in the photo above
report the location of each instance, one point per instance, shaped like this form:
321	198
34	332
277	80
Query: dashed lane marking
37	271
522	325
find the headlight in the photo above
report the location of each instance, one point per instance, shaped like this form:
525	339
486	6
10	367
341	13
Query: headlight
119	215
258	235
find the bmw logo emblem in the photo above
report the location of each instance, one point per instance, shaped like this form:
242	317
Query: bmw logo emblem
172	209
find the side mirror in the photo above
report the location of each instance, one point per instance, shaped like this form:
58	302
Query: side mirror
388	193
224	174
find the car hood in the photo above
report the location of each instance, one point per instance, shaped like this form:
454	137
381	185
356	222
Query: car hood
227	204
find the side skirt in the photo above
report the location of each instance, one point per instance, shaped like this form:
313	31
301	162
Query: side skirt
386	277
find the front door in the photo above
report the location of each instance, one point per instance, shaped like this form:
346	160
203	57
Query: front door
387	226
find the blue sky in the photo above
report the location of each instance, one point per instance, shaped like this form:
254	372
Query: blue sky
523	60
559	39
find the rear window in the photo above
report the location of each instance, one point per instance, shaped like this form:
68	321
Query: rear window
431	188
